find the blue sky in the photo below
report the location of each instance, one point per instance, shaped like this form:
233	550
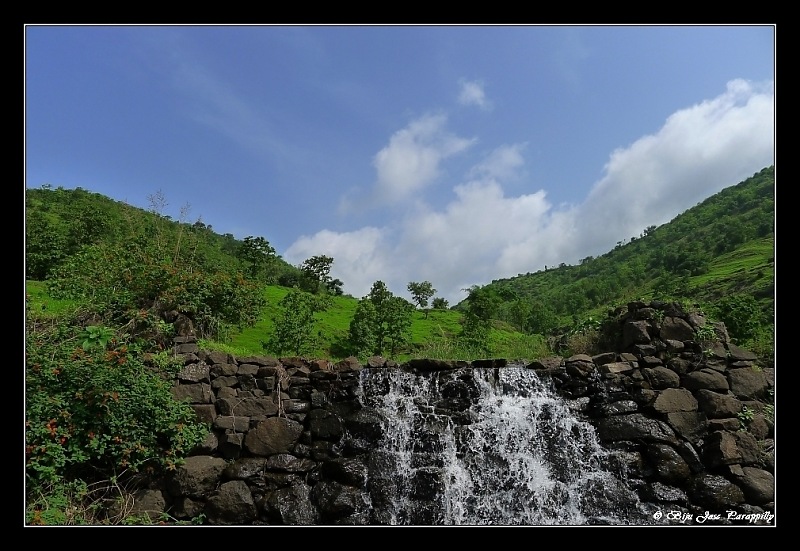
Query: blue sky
452	154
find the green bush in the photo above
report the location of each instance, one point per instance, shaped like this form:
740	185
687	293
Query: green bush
294	329
95	412
137	284
762	344
741	315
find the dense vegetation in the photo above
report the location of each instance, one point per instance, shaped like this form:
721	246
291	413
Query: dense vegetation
110	285
718	255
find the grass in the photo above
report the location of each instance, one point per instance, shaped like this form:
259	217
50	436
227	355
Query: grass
749	269
38	299
753	262
432	336
332	326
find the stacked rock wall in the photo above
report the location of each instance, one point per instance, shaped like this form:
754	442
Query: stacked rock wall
690	421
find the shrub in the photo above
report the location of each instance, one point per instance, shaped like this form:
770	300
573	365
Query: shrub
136	284
762	344
582	342
94	412
741	315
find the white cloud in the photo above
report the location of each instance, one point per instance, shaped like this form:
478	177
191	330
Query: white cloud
359	257
462	245
472	94
411	160
503	163
699	151
483	235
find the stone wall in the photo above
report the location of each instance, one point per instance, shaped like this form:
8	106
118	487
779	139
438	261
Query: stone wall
690	423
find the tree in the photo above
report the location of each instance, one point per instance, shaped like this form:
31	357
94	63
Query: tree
257	254
379	296
381	319
481	305
89	225
334	287
362	335
421	292
396	318
484	301
316	274
45	245
440	303
294	330
229	244
379	293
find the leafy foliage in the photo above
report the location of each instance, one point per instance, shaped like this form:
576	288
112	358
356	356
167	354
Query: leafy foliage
294	330
95	336
741	316
481	306
59	222
396	317
316	275
257	254
362	335
541	319
136	285
155	271
94	412
421	292
382	321
723	246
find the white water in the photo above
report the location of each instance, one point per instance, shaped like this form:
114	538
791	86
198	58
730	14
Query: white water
518	456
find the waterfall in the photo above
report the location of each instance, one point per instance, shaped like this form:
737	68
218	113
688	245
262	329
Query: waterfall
494	446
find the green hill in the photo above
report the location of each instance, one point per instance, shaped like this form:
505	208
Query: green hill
722	247
719	250
431	336
59	222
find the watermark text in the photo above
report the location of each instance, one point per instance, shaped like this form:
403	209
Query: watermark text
711	518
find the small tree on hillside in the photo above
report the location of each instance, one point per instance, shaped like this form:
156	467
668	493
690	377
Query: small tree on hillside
334	287
421	292
257	254
381	319
316	274
481	305
294	330
541	319
397	320
362	335
741	316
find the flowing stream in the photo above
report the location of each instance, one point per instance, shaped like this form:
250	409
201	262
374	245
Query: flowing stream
493	446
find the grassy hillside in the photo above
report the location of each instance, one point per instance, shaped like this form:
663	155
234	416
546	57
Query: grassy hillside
722	247
432	336
60	222
749	268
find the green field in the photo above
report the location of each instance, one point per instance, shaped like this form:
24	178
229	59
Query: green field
37	299
432	335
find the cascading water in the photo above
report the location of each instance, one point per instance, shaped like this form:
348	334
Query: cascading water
494	446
